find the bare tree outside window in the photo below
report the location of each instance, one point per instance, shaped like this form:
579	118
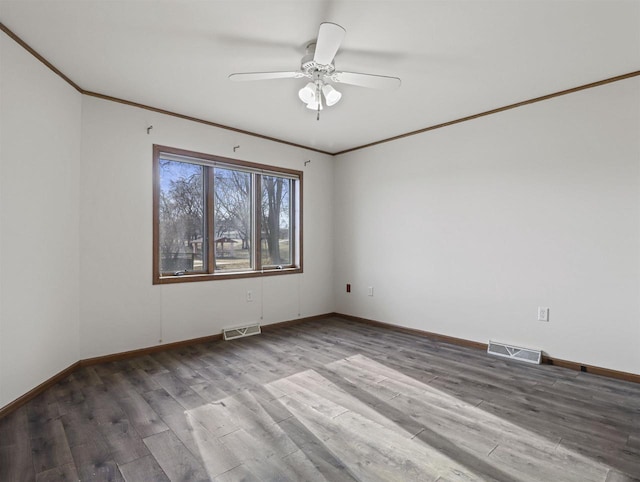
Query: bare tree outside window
220	218
232	219
181	216
276	221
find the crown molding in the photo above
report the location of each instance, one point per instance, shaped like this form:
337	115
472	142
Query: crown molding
82	91
591	85
89	93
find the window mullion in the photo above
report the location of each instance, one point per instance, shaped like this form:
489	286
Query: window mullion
292	223
209	190
257	213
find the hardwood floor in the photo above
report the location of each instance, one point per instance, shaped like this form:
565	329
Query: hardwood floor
326	400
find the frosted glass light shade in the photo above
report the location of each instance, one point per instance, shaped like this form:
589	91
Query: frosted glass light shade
308	93
331	95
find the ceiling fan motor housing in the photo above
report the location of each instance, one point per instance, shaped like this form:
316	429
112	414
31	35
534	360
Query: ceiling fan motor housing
310	66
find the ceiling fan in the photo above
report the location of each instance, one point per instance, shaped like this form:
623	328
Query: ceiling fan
317	65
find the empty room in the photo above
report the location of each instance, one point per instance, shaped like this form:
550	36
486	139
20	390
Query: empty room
320	240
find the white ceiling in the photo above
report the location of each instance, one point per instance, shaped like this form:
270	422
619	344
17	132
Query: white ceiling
455	58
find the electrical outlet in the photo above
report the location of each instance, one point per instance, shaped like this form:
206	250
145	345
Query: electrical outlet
249	296
348	287
370	291
543	313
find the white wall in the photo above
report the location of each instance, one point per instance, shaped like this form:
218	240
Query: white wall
75	237
466	230
119	307
462	231
39	179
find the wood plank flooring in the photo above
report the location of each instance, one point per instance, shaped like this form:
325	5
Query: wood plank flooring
328	400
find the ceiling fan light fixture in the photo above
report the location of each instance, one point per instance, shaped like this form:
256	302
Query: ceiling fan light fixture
331	95
318	66
308	93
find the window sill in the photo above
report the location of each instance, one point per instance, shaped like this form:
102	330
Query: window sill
189	278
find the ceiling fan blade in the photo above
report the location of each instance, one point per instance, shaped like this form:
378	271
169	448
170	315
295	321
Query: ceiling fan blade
329	39
366	80
265	76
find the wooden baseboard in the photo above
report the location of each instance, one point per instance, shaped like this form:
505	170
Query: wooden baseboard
581	367
297	321
147	351
192	341
414	331
31	394
34	392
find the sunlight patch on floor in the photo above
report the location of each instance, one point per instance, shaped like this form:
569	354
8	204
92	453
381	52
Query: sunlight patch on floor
373	423
419	430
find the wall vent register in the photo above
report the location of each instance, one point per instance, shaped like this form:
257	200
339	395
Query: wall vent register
241	331
515	352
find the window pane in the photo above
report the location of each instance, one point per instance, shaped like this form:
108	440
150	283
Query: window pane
232	220
181	217
276	221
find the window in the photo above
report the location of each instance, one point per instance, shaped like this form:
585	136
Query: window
219	218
